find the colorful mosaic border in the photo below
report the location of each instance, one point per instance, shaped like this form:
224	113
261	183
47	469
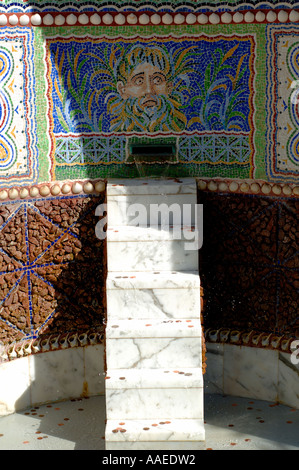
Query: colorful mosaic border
282	161
18	144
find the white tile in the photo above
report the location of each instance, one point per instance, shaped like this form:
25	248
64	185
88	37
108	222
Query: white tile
152	233
288	380
119	186
15	386
213	377
251	372
161	403
151	256
153	353
153	280
94	369
153	303
57	375
151	209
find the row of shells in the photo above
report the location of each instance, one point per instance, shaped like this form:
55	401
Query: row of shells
56	189
88	187
51	343
250	338
72	19
71	340
249	187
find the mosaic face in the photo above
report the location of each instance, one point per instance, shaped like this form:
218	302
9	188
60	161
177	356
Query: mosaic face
99	85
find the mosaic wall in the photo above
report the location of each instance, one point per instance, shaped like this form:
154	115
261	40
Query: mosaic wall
108	89
52	267
249	263
80	82
282	103
18	146
225	95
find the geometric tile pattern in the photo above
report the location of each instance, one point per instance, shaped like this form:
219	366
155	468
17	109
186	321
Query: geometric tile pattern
18	146
51	267
214	149
91	151
250	263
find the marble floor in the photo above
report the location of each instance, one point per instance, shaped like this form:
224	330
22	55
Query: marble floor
231	424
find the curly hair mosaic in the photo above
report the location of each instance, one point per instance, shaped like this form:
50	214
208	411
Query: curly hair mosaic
18	146
282	159
101	91
52	267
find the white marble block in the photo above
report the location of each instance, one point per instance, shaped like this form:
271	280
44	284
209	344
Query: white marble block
154	382
153	431
158	295
151	210
155	403
154	393
151	186
149	249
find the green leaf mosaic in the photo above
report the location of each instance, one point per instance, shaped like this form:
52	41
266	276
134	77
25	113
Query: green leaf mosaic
101	155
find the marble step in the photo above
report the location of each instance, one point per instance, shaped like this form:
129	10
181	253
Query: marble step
184	377
148	249
151	209
153	343
160	403
144	295
172	434
154	328
151	186
154	394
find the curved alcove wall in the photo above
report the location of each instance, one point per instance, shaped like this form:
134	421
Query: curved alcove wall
51	376
57	375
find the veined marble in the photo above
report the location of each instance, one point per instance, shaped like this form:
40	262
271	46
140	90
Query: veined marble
153	280
152	303
154	378
153	332
158	295
151	256
246	373
155	403
153	353
137	328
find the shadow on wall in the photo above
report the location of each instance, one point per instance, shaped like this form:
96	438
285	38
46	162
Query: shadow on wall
249	263
52	273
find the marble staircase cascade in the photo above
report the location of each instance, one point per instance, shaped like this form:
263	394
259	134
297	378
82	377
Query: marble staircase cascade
154	380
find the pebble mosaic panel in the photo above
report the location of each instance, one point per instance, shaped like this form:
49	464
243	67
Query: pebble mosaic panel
52	267
249	263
